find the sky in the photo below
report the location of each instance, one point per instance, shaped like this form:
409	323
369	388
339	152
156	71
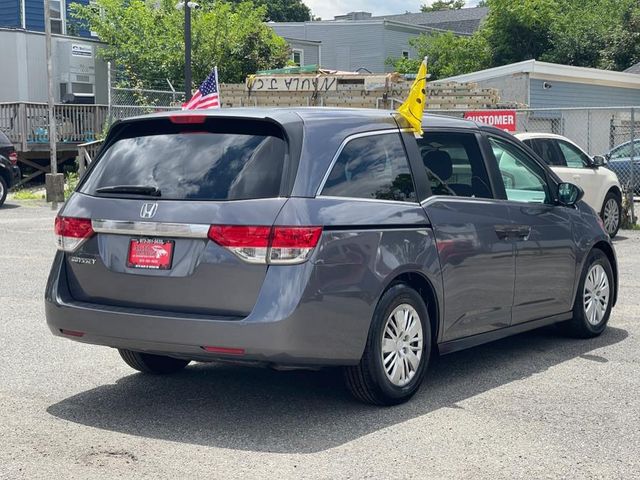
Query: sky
327	9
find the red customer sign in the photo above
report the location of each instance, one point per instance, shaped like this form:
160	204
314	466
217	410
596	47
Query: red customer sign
503	119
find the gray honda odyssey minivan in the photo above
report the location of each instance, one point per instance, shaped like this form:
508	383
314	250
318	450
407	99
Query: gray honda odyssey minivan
309	237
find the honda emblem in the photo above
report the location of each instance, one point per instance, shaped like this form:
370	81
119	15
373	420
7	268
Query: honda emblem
148	210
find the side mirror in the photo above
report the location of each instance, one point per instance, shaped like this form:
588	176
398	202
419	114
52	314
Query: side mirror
569	194
599	161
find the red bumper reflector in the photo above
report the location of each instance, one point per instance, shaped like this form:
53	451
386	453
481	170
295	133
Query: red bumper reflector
71	333
224	350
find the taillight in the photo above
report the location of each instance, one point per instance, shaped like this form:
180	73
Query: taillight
72	232
272	245
13	158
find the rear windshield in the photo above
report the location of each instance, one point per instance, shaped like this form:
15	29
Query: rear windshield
194	162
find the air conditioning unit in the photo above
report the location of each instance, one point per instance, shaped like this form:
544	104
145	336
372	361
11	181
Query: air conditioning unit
75	71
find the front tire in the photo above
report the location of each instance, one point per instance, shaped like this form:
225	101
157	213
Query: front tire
611	214
397	352
4	189
594	298
149	363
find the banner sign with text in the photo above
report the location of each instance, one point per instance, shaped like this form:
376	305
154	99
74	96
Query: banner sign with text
502	119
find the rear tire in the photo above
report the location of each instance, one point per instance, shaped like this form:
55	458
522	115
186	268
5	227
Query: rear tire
4	189
611	213
397	352
594	298
155	364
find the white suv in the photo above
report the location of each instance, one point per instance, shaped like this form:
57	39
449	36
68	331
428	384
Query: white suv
601	186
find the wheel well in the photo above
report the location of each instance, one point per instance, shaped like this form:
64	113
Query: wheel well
6	176
605	248
616	191
420	284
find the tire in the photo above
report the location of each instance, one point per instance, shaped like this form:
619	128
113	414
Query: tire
4	189
586	323
611	213
155	364
368	381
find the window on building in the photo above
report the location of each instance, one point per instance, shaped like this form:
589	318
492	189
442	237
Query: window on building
373	167
56	11
405	54
297	56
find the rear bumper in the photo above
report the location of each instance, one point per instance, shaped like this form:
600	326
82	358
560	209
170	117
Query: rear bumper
302	328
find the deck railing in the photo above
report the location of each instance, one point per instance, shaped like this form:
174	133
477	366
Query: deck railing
27	124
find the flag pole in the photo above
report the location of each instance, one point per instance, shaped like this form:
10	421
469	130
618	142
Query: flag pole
219	90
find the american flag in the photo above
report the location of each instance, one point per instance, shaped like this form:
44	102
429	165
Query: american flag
207	95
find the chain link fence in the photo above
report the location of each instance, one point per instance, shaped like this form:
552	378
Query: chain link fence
127	98
610	132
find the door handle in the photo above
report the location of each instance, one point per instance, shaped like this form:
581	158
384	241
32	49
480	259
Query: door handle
503	231
522	232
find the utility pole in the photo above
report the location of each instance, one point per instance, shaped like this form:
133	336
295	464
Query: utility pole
187	51
54	181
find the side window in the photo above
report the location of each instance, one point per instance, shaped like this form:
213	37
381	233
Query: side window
374	167
573	156
524	180
454	165
547	151
624	151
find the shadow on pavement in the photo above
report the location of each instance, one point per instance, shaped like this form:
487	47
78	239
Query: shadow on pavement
303	412
9	206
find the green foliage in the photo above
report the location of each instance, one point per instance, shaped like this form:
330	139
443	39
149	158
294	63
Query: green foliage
70	184
519	30
448	54
147	39
438	5
284	10
590	33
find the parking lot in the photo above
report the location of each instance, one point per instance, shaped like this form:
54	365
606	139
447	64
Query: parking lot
533	406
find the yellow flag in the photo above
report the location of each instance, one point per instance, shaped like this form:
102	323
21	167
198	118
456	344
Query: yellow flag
413	107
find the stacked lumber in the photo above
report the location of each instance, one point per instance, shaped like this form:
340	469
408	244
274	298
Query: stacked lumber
350	90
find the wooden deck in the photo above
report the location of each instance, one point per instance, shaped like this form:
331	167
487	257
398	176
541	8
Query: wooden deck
27	126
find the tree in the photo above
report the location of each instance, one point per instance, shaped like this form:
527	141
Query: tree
589	33
438	5
147	40
449	54
283	10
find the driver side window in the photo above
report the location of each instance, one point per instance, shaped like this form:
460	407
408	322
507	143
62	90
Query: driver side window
524	180
573	156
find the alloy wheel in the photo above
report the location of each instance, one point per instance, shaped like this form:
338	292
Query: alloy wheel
611	216
402	345
596	294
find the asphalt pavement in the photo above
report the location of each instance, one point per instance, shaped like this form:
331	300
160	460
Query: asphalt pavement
537	405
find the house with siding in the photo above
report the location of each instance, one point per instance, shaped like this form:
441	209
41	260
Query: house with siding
360	41
79	76
349	45
549	85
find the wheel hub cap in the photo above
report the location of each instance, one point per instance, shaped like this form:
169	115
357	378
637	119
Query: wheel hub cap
596	295
611	216
402	343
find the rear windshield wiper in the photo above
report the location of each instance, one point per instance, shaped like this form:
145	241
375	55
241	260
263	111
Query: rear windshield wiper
148	190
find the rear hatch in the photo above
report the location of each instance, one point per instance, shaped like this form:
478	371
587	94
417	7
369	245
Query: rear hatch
151	197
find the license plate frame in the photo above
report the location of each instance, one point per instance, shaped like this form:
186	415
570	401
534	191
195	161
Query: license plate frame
150	253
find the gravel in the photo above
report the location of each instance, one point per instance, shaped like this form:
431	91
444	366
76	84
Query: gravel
533	406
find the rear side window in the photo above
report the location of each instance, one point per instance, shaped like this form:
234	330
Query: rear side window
187	162
454	165
374	167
